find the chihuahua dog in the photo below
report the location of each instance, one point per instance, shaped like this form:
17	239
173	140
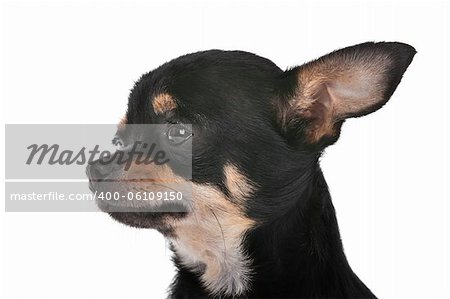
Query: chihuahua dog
261	223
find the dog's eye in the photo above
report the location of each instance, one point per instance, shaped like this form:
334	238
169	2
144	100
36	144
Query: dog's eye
177	134
117	142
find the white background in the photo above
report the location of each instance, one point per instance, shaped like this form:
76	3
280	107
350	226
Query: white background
68	62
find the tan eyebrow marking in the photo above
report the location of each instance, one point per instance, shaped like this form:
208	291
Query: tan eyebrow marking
163	102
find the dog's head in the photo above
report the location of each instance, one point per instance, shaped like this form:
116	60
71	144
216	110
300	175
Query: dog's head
255	131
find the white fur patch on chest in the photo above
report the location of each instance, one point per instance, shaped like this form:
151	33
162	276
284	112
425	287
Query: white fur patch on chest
209	241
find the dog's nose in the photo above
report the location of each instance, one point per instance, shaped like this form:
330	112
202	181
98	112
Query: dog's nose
97	171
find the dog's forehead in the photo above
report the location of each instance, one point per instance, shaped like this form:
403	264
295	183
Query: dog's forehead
205	83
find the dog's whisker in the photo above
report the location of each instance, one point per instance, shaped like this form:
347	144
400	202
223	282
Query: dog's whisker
221	230
191	206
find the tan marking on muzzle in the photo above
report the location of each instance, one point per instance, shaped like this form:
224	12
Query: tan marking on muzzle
150	178
122	123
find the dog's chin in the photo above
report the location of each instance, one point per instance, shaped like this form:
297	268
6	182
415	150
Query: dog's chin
161	221
161	218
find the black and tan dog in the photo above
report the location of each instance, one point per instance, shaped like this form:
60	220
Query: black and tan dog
262	224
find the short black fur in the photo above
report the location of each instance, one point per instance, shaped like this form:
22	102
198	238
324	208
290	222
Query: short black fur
232	100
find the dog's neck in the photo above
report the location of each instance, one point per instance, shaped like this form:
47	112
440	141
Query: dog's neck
301	255
298	254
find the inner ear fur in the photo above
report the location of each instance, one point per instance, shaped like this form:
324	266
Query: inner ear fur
349	82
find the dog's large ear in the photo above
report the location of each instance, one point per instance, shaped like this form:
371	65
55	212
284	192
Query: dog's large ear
315	98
